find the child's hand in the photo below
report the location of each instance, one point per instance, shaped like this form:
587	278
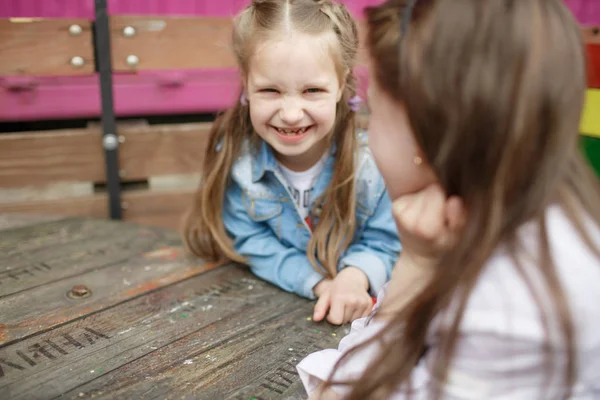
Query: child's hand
346	297
428	222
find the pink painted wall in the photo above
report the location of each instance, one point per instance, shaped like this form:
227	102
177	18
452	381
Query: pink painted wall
85	8
225	8
47	8
587	12
149	92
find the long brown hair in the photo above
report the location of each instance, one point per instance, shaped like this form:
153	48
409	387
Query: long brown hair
204	232
494	92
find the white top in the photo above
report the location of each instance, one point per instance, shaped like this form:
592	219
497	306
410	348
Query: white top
301	184
499	354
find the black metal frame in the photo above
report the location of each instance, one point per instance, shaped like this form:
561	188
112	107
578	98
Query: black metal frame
110	139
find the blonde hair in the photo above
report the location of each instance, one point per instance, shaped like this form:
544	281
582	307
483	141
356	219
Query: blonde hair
204	232
494	92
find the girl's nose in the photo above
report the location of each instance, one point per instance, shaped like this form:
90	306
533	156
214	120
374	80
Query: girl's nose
291	112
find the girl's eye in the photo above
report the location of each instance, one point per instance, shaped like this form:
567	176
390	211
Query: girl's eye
314	90
269	90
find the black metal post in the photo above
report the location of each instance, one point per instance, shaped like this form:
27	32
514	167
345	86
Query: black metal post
110	140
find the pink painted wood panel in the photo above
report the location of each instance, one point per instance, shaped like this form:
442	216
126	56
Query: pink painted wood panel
223	8
47	8
38	98
587	12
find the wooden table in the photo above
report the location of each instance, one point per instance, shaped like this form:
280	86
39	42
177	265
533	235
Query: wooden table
111	310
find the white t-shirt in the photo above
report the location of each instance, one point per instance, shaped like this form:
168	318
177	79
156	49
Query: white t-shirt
499	353
301	184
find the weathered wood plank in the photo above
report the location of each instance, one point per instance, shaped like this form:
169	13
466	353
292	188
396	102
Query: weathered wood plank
12	221
38	158
162	42
76	155
95	206
146	207
121	262
33	46
223	334
157	208
70	248
154	150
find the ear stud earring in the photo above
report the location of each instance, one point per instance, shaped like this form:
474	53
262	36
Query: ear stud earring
418	160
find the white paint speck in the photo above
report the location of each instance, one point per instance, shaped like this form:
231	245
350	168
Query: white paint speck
154	348
81	394
92	371
125	331
188	362
126	282
147	268
250	287
206	308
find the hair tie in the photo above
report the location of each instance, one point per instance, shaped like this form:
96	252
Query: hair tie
244	99
354	103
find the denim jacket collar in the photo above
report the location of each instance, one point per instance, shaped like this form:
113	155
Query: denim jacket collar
264	161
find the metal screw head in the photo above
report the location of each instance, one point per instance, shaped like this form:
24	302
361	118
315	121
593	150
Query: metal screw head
110	142
129	31
75	30
132	60
77	61
79	292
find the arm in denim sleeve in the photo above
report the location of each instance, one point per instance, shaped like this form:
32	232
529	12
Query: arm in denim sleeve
268	258
377	249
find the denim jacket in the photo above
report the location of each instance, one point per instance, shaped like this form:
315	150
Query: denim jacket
261	217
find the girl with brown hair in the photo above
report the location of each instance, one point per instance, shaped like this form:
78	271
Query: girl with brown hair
474	126
288	185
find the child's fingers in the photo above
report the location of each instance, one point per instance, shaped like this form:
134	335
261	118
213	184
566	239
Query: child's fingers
350	313
430	219
321	307
362	311
336	313
455	213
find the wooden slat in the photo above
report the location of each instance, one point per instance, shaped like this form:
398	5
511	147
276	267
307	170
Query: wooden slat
181	42
70	248
154	150
44	47
224	334
20	220
171	42
164	209
90	206
38	158
76	155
